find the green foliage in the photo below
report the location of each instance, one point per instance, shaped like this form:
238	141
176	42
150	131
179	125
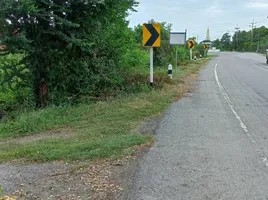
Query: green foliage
183	54
15	81
75	46
166	54
226	42
217	44
90	131
252	41
13	74
1	190
76	49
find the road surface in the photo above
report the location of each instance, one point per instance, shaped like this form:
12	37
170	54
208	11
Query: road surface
213	143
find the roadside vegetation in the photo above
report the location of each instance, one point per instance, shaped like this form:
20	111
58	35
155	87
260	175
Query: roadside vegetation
74	80
244	41
89	130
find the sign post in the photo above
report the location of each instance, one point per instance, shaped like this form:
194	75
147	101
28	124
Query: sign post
151	38
191	54
177	38
206	50
151	66
176	58
191	44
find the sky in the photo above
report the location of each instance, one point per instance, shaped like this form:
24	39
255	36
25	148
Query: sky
196	16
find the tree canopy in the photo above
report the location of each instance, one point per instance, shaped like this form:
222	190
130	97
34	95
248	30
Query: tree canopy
255	40
72	46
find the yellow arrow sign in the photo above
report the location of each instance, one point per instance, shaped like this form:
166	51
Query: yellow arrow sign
151	35
206	47
191	44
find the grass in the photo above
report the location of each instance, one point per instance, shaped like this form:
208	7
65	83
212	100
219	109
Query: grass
101	130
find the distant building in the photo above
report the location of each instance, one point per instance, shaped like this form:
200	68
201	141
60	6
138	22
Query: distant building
207	40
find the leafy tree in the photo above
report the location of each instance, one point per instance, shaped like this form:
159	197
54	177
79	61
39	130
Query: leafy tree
73	47
226	42
243	41
217	43
166	54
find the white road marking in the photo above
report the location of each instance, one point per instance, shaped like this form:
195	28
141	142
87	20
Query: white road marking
242	124
227	98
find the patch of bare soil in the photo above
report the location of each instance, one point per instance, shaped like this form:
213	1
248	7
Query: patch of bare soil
63	181
54	134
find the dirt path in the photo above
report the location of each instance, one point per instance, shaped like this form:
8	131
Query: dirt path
58	180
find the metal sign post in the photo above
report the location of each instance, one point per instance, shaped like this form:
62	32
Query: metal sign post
191	44
191	54
151	66
151	38
206	47
177	38
177	59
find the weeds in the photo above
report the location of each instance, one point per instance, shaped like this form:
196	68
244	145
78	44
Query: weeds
101	130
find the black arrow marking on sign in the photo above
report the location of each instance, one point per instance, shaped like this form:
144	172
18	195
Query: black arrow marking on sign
192	44
154	35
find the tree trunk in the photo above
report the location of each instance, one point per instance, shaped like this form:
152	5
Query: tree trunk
41	90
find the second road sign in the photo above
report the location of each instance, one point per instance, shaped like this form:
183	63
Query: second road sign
151	35
191	44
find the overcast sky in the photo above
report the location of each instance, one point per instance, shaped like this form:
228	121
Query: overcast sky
197	15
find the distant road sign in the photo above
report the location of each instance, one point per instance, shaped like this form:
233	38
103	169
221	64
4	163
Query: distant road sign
191	44
151	35
177	38
206	47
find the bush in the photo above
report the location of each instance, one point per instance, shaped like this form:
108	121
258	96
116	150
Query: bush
15	93
135	58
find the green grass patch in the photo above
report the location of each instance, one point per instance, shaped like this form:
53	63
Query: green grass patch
100	130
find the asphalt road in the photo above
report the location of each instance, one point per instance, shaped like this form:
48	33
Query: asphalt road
213	143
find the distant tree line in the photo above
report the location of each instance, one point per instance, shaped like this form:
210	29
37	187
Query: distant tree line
244	41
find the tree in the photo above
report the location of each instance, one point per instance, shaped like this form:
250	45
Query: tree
164	55
216	43
226	42
73	47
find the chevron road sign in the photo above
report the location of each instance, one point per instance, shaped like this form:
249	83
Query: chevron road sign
151	35
191	44
151	38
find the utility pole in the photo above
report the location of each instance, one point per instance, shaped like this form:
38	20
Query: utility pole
258	48
237	39
252	25
232	32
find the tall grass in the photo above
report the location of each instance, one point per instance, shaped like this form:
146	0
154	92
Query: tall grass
100	130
